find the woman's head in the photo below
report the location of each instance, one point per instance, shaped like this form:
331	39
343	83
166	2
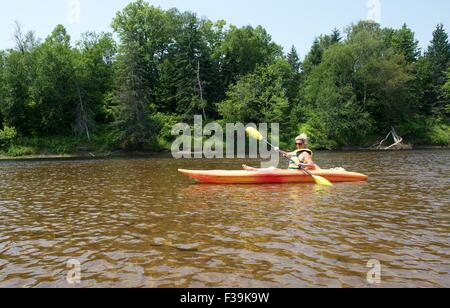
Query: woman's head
302	140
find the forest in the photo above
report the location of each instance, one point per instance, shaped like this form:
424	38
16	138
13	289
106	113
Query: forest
125	90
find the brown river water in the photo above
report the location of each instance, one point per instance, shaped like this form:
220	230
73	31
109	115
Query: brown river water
138	223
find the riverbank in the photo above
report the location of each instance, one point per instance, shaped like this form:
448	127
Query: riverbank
412	148
123	154
81	156
99	146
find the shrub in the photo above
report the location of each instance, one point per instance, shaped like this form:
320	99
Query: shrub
7	137
17	151
165	124
439	134
53	145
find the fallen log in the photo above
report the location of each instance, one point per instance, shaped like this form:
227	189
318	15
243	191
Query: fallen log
397	145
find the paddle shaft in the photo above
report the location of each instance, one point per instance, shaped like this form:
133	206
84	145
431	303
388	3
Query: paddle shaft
290	159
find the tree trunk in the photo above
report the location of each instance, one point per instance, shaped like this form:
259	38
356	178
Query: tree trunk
83	116
200	89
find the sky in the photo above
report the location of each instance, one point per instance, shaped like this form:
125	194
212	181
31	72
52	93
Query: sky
290	22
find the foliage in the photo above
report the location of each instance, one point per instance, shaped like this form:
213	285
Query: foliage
434	67
244	49
94	74
294	60
359	88
320	45
186	82
258	98
439	132
18	151
169	65
165	122
137	72
403	42
446	93
7	136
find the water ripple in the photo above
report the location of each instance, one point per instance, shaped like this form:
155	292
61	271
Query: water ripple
138	223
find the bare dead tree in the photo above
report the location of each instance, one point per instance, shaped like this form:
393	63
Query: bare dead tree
19	37
398	142
84	120
24	41
200	89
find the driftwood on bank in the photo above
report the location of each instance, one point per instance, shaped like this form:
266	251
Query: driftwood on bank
397	145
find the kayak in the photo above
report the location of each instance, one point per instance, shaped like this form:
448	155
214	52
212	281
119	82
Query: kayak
271	176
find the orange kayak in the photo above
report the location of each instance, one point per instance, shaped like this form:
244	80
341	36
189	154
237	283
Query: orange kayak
271	176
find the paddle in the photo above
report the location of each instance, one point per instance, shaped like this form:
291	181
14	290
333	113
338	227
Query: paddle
255	134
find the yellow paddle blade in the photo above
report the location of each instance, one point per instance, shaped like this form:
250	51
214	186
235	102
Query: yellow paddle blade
322	181
253	132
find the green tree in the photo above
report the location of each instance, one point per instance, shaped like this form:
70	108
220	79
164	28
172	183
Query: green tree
16	104
259	97
243	50
144	32
94	81
360	88
382	79
332	114
404	42
446	93
133	126
2	83
293	79
215	89
313	58
294	60
186	69
335	36
320	45
54	86
434	72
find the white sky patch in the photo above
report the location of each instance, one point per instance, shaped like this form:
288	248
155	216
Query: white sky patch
73	11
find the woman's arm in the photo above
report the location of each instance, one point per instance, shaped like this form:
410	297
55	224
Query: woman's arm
306	158
308	161
285	154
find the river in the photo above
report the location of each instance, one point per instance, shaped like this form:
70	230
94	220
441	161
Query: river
139	223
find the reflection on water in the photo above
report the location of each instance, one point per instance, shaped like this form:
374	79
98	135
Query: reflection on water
138	223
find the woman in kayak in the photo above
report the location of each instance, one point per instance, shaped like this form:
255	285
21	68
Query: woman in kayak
301	158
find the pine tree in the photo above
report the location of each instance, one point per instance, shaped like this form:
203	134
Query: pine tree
293	59
404	42
186	65
320	45
138	71
313	58
437	62
2	83
133	126
335	36
446	90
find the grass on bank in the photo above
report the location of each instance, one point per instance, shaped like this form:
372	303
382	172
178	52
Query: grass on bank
12	145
